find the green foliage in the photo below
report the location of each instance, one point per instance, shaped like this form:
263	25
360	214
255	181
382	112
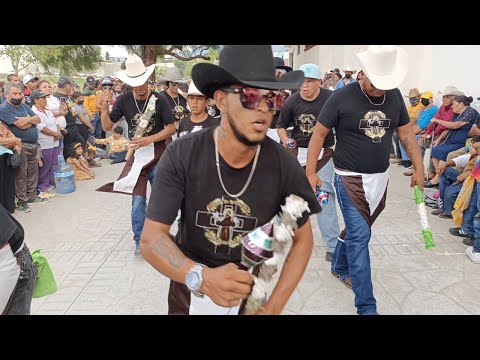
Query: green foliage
213	55
107	56
67	58
20	56
180	52
181	66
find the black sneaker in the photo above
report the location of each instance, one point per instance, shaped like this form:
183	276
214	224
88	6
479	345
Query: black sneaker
437	212
407	164
402	163
468	241
445	216
458	232
38	200
23	207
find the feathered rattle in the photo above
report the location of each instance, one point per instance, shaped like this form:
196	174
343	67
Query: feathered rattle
267	246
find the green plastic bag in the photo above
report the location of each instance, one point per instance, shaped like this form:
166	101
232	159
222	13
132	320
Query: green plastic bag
45	283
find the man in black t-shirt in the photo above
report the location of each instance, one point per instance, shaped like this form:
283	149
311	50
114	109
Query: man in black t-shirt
365	115
177	103
227	180
301	111
199	119
150	123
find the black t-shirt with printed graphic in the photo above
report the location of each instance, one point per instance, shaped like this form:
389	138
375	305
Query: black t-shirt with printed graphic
302	115
212	222
126	106
363	131
178	105
187	126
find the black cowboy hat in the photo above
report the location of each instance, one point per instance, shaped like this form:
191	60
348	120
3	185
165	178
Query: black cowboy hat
250	65
280	64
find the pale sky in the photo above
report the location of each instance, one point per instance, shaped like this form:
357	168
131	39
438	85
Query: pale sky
119	51
115	51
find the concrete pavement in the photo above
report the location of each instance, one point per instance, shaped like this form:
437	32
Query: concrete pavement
87	239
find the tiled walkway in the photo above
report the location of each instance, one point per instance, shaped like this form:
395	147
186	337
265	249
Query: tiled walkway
87	239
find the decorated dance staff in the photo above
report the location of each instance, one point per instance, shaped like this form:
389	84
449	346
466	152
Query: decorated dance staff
426	230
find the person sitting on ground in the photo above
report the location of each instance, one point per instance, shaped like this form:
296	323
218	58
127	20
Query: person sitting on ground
451	181
80	165
118	146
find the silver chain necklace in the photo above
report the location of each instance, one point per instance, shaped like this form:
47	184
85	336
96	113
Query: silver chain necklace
144	105
370	101
220	175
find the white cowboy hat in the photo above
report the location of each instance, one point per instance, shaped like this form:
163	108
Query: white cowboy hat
136	74
451	91
385	65
349	68
192	89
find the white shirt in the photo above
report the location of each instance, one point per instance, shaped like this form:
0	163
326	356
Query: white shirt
53	104
462	160
47	120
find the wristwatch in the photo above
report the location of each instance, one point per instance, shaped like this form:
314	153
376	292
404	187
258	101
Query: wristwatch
194	279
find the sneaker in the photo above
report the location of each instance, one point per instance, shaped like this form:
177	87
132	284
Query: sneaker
458	232
407	164
137	249
473	255
445	216
328	256
468	241
38	200
23	207
402	162
46	195
437	212
347	281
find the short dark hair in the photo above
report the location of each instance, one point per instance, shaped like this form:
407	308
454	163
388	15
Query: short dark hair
476	139
77	94
10	76
118	130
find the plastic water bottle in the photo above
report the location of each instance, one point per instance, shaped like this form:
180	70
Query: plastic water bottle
292	146
322	196
64	177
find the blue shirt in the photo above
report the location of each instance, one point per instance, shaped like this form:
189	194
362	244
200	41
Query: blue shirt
3	98
341	83
8	112
460	135
425	117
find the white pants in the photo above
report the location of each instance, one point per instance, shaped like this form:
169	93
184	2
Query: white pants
9	273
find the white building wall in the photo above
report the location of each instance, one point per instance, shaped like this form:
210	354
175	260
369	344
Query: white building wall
431	67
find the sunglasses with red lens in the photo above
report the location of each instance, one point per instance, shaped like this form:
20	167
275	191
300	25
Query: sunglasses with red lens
251	97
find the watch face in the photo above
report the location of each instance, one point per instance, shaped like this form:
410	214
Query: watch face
192	280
